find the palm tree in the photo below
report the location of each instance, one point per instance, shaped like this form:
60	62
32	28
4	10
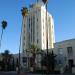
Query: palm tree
45	2
4	25
34	50
6	58
24	14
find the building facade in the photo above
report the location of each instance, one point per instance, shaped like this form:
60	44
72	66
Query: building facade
35	24
65	51
34	28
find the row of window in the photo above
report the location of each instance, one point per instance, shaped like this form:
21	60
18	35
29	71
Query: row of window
32	29
69	50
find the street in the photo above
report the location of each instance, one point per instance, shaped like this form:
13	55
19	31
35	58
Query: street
8	73
14	73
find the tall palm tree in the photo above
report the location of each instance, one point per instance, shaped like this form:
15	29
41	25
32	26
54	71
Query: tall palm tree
24	14
45	2
4	25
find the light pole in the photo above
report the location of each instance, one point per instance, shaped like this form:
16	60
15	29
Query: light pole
45	2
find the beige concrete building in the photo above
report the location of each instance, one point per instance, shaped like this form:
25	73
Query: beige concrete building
34	31
34	27
65	51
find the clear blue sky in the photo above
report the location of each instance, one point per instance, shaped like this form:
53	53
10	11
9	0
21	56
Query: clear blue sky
63	12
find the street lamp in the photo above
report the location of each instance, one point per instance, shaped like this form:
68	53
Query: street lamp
45	2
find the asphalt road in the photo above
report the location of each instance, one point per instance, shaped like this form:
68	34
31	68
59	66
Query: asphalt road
14	73
8	73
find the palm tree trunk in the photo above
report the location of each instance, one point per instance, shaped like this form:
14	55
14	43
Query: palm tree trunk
46	31
20	49
1	38
34	60
47	39
20	46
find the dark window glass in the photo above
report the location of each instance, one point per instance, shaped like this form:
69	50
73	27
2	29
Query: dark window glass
24	25
24	43
24	37
60	51
29	23
24	59
37	19
69	49
37	40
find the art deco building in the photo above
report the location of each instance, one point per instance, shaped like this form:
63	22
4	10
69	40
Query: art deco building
34	27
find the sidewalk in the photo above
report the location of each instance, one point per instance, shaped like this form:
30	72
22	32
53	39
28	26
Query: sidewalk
7	71
21	73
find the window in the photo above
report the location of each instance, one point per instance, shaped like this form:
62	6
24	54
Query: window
33	28
37	41
69	50
24	37
29	26
60	62
24	31
60	51
24	25
24	59
31	31
37	19
24	43
29	20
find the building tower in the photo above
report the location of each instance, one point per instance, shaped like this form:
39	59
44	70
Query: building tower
34	27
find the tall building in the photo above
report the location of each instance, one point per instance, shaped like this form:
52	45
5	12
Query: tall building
34	27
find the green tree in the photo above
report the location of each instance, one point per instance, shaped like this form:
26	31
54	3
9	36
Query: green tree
4	25
6	58
34	50
17	62
49	60
13	64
